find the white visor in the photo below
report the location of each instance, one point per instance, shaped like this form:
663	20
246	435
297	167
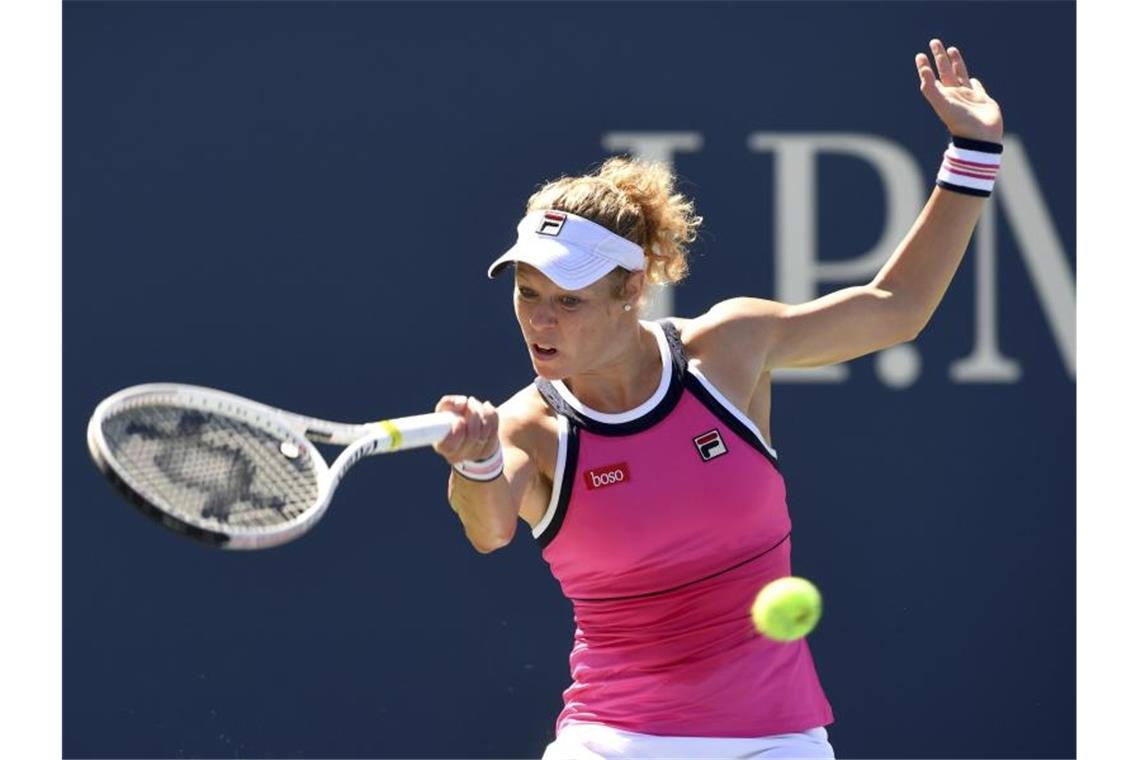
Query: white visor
572	251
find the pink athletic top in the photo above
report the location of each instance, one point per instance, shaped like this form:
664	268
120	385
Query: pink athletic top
664	523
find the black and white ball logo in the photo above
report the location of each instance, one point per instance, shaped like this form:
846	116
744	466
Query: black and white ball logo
551	223
710	445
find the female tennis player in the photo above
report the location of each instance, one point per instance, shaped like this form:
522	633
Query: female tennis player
641	456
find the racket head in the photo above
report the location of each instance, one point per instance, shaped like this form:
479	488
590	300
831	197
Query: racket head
216	467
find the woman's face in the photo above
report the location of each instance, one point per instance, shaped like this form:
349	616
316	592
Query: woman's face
568	332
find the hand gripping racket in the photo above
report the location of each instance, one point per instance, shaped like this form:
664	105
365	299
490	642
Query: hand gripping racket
229	471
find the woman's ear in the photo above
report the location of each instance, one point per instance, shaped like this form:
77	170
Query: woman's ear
634	287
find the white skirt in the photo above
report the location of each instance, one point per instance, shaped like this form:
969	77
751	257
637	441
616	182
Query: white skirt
591	741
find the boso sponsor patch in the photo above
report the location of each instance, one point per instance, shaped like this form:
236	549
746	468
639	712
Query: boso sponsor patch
607	475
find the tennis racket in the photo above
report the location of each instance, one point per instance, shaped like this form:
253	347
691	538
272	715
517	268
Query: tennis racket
229	471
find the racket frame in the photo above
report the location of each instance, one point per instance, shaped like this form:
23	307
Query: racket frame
360	440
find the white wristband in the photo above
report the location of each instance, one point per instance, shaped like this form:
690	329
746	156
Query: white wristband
970	167
482	469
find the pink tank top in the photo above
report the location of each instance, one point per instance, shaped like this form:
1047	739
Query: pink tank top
664	523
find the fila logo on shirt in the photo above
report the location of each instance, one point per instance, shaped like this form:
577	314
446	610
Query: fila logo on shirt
710	445
551	223
607	475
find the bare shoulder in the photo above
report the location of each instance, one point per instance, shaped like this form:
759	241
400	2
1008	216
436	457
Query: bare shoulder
524	410
733	331
729	344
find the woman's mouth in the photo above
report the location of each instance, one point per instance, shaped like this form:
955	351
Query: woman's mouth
543	352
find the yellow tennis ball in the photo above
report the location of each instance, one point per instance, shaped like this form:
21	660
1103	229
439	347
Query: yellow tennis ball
787	609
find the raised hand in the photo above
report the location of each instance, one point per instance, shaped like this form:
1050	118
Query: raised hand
960	101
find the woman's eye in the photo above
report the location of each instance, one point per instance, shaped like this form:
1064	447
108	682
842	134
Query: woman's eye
526	293
570	301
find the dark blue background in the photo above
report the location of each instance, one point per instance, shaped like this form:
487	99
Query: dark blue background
296	202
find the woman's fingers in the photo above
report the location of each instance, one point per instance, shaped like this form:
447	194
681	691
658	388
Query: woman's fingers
483	428
476	422
452	403
474	433
942	62
959	100
454	441
958	63
925	72
490	419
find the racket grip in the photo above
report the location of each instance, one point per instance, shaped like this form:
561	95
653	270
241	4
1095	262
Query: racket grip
417	430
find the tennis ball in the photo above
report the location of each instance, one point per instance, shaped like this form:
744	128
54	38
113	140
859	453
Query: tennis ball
787	609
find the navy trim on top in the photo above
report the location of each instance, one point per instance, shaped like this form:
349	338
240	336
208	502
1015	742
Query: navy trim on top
680	380
649	419
676	347
681	359
728	418
569	470
554	399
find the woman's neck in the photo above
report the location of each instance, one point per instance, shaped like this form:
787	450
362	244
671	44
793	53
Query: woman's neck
625	382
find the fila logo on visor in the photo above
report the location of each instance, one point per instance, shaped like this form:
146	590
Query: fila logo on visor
709	445
607	475
551	223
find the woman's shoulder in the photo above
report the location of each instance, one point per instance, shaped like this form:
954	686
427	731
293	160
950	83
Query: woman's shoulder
728	340
731	320
731	326
526	415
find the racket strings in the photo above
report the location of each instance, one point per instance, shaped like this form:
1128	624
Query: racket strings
210	469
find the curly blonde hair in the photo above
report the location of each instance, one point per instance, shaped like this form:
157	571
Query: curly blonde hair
637	200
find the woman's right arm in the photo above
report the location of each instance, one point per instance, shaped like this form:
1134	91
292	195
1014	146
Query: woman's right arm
488	509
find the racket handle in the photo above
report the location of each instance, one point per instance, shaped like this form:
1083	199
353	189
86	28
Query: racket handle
416	431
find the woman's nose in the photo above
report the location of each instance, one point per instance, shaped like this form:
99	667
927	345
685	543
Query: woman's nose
542	315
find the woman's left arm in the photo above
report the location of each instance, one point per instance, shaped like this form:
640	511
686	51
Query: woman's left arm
896	305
